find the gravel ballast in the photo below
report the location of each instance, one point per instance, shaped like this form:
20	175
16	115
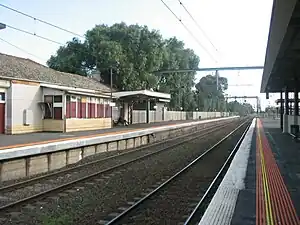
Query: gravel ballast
89	202
88	167
176	200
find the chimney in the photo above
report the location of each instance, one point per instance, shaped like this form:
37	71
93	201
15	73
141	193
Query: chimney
96	75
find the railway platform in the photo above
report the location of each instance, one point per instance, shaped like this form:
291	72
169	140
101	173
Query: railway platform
31	154
21	140
262	185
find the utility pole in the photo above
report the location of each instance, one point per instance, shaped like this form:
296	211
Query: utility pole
217	76
111	96
111	83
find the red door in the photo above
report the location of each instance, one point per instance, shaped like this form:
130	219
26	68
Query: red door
2	118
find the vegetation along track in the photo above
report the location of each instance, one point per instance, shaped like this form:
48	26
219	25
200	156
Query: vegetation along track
22	192
173	200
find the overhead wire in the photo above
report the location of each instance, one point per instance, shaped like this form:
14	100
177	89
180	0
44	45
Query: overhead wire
189	31
197	24
33	34
71	32
36	35
21	49
27	52
47	23
40	20
47	39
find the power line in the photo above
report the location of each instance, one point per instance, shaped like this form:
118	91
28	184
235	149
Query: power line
33	34
189	31
48	39
44	38
197	24
21	49
42	21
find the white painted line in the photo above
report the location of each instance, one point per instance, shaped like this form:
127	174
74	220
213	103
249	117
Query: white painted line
221	208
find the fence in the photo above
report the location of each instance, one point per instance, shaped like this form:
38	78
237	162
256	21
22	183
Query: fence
139	116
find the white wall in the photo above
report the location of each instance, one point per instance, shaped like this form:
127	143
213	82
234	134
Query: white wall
25	97
50	91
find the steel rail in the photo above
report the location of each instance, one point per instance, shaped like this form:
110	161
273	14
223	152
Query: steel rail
139	202
68	184
217	178
134	150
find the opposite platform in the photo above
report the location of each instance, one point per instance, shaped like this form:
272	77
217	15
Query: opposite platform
79	141
269	191
17	140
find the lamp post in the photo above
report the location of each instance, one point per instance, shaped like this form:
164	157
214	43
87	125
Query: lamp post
2	26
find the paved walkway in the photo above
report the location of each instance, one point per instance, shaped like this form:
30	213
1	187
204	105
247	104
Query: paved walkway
272	185
10	141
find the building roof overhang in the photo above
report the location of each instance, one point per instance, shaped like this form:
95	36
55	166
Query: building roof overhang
143	94
283	48
78	91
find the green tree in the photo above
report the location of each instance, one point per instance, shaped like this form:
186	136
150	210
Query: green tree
133	52
241	109
208	96
71	58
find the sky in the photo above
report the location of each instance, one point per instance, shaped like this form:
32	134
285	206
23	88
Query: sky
237	31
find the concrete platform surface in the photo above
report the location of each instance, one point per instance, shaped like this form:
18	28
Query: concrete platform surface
26	159
268	191
51	143
272	190
221	208
11	141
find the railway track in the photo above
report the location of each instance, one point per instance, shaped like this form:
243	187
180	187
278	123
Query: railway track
182	198
15	195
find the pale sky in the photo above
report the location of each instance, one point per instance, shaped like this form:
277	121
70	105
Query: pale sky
238	28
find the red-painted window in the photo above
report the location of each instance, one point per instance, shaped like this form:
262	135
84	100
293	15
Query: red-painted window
73	109
107	111
68	110
68	107
100	110
83	110
91	110
57	113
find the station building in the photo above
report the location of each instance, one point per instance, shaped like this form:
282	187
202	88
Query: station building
35	98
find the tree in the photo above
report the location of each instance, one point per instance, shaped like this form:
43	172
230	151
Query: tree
208	96
241	109
133	52
72	58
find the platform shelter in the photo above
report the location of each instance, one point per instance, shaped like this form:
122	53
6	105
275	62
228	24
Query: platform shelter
282	69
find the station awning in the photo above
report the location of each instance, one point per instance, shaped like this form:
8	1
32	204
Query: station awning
283	48
143	94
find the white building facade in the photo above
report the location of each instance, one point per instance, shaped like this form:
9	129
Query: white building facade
28	106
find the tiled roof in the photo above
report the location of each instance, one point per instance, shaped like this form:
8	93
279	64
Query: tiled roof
21	68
